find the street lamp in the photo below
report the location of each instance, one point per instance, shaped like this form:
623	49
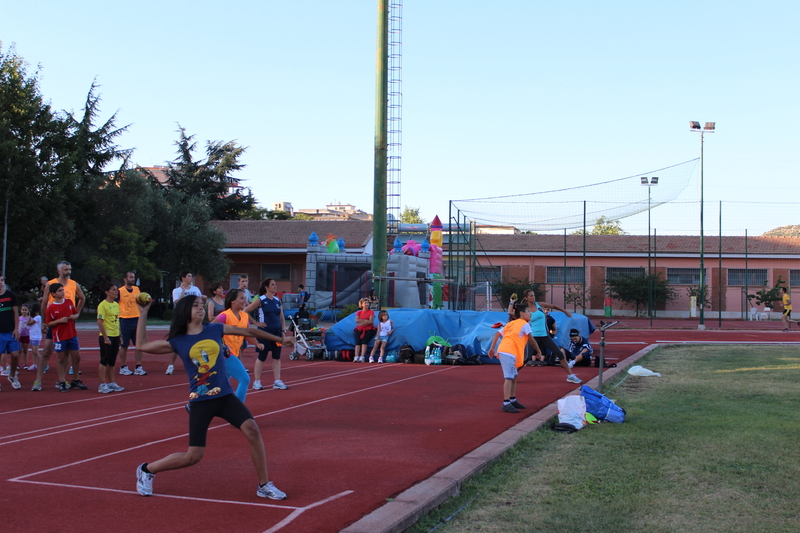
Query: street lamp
707	128
649	182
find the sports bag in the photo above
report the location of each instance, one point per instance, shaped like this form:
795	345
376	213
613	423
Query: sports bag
601	407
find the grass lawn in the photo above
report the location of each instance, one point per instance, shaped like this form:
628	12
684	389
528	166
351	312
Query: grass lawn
712	445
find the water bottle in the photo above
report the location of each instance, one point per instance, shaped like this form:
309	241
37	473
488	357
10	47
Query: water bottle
427	355
437	356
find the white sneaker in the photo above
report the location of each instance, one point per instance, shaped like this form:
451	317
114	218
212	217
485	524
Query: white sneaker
380	359
113	387
6	371
571	363
371	360
139	371
125	371
170	369
257	385
280	385
572	378
268	490
103	389
144	481
14	382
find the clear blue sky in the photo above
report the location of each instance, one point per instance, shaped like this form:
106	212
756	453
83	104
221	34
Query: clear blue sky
498	98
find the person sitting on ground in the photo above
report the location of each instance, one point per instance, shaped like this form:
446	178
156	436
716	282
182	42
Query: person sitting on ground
579	351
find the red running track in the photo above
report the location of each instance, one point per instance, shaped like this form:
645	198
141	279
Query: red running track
343	439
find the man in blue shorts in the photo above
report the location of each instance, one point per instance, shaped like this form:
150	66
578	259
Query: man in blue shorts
9	334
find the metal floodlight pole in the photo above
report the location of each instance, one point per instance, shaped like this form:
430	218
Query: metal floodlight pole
708	128
649	182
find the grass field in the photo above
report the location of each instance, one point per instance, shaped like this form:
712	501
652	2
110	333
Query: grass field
712	445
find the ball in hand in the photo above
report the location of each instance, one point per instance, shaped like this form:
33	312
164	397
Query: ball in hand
143	298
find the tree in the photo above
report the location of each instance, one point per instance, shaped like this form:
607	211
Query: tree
503	289
187	239
35	170
411	215
768	296
634	288
212	180
603	226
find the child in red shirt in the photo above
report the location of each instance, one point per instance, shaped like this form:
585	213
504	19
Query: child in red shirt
61	317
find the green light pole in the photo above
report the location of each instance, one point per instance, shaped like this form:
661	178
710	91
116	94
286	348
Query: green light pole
379	202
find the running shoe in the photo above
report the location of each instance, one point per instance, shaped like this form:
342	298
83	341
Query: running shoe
571	363
371	360
144	481
380	359
33	367
257	385
103	389
6	371
37	385
508	408
139	371
572	378
518	405
14	382
113	387
170	369
280	385
62	386
78	384
268	490
125	371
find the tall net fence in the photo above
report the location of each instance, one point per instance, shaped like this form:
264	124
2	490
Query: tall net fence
572	208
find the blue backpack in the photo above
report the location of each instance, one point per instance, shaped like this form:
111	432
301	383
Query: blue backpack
601	407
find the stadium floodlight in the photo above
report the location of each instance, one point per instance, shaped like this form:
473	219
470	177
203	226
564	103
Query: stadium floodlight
649	183
709	128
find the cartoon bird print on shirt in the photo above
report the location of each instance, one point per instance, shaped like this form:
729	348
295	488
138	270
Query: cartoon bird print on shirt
205	360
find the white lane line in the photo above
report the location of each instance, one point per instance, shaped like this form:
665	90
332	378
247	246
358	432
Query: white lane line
223	424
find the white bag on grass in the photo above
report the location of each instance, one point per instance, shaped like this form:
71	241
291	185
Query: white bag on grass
641	371
572	411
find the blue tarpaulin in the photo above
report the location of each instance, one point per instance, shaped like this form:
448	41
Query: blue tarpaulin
473	329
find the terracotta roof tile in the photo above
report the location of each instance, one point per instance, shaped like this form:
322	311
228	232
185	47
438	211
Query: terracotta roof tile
610	244
291	233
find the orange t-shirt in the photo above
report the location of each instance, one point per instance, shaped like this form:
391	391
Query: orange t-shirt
70	290
127	302
514	341
234	342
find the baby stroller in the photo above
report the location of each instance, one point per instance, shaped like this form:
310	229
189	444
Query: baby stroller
308	341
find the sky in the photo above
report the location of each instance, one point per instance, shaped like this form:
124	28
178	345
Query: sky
517	96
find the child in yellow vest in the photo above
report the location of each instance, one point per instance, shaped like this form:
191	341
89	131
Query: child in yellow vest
511	352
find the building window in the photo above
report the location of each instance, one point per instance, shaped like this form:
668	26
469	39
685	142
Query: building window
277	272
556	275
752	277
685	276
492	274
612	272
794	278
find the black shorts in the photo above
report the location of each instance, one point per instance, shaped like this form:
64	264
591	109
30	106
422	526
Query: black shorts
202	412
127	330
787	313
270	347
547	343
108	352
366	338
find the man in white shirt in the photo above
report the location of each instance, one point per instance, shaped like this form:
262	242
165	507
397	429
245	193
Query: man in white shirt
186	288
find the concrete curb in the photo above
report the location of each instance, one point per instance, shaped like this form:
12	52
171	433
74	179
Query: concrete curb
410	505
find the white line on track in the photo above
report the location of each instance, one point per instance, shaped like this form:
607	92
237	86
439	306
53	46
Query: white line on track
729	342
296	511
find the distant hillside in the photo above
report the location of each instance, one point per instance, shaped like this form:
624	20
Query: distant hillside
784	231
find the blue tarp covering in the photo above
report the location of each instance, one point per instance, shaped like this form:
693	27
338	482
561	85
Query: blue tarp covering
473	329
